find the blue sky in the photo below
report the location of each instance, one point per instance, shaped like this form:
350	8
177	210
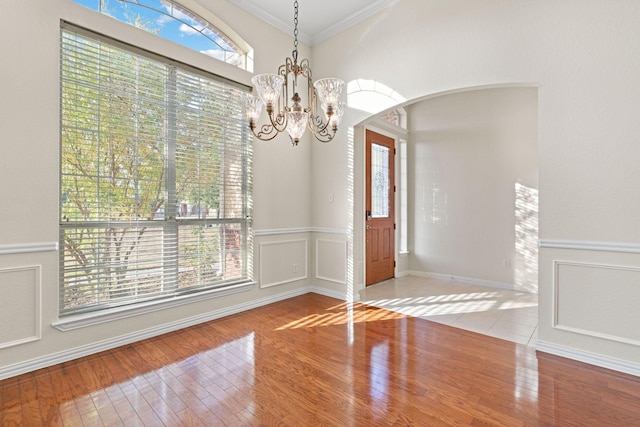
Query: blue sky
152	15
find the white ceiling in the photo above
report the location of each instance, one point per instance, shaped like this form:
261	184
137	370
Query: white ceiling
317	19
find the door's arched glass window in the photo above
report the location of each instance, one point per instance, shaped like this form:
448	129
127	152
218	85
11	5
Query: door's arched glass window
397	117
391	116
172	21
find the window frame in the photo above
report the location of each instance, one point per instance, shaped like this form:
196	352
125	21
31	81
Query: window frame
88	317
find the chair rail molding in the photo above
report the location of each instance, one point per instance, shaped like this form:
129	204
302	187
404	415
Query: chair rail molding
277	231
21	248
590	245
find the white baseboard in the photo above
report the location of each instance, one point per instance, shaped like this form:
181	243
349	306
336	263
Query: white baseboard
590	358
333	294
86	350
462	279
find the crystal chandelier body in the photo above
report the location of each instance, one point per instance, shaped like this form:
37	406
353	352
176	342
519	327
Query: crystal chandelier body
322	113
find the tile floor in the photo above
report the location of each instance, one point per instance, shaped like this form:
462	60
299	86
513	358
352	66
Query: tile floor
500	313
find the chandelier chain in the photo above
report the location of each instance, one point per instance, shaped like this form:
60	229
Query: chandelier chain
295	31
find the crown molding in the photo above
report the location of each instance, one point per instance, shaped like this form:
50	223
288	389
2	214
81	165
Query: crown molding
351	20
313	39
258	12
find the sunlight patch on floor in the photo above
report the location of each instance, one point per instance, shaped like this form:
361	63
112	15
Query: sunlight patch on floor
500	313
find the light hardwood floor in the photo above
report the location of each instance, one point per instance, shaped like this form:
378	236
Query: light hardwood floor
317	361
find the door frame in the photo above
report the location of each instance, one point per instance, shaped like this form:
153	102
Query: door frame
359	237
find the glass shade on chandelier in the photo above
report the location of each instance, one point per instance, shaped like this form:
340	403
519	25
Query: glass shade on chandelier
297	124
329	92
279	95
268	87
338	111
252	107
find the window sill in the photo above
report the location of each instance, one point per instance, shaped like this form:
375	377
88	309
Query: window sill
95	318
405	252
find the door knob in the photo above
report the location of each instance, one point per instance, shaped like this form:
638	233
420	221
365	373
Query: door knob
368	227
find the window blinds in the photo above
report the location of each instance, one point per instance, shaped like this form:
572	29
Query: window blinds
155	177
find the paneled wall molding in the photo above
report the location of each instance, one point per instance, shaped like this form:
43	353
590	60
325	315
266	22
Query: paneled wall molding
20	319
591	245
590	358
66	355
278	231
21	248
331	260
580	286
283	261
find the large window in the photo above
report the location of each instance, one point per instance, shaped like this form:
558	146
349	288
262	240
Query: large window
155	177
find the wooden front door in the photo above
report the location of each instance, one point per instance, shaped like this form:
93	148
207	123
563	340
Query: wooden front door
379	215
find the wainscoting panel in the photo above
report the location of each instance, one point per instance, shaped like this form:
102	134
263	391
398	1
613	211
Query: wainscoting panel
20	305
283	262
331	260
597	300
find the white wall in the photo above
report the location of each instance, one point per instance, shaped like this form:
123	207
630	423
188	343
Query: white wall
29	172
582	56
473	156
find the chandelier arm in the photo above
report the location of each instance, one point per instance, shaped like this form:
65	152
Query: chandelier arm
292	70
266	132
311	95
324	135
284	71
278	122
317	124
304	69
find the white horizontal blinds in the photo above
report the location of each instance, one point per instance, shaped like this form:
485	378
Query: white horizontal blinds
150	155
210	254
110	265
113	127
210	149
210	181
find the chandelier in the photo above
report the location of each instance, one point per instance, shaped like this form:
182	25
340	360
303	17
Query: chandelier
274	91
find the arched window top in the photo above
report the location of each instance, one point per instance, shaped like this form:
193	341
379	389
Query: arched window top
371	96
172	21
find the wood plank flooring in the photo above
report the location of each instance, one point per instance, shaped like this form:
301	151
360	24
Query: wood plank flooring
317	361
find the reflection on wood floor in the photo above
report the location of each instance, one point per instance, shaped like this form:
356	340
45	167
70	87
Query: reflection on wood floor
314	360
